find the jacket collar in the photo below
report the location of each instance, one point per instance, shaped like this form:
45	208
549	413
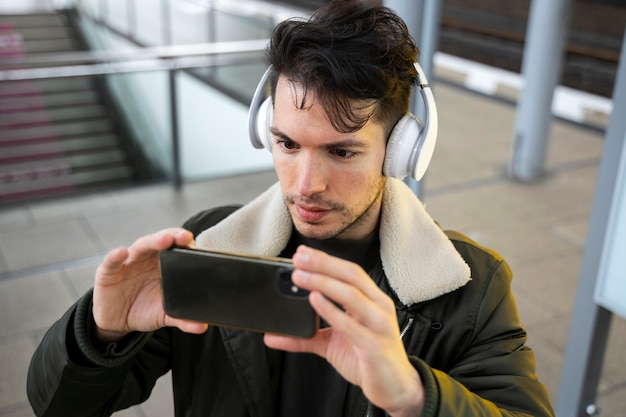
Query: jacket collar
419	260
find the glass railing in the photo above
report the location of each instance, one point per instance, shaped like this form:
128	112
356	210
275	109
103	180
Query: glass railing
182	73
115	24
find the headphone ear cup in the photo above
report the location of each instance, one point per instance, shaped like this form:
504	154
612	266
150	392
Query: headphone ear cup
425	149
411	144
263	124
402	145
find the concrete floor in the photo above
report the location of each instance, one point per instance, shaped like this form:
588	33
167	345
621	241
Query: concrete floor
49	250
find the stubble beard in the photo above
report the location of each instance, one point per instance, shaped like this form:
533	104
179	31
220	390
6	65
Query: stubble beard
349	219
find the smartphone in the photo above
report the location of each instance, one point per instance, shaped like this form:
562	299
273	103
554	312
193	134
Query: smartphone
235	290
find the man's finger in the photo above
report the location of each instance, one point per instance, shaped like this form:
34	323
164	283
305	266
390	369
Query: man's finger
187	326
113	262
163	240
312	260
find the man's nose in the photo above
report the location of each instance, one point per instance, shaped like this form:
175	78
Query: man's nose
312	174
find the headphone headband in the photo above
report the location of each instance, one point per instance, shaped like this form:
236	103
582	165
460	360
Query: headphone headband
421	157
257	101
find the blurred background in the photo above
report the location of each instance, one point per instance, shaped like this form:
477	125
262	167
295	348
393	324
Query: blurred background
122	117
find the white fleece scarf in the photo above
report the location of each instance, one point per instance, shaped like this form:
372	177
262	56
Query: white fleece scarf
419	260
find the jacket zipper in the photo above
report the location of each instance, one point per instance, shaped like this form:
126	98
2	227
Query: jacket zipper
403	332
406	327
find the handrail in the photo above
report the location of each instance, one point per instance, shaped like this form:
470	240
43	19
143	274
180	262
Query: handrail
124	61
175	51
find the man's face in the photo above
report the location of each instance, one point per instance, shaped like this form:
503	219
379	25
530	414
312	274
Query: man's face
331	182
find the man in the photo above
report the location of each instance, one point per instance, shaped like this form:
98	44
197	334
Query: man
417	322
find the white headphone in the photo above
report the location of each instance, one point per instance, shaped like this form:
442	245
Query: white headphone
410	146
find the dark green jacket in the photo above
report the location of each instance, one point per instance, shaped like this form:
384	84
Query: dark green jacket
468	346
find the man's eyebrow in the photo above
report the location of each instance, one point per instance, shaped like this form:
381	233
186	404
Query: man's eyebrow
343	143
348	143
280	134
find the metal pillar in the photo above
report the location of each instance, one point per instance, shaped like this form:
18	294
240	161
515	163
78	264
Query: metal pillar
543	57
411	12
590	322
429	40
166	22
177	177
131	16
422	17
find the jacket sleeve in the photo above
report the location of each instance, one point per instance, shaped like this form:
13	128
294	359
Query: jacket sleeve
68	376
493	371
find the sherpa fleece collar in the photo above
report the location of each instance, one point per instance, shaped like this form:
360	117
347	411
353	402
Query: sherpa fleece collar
419	260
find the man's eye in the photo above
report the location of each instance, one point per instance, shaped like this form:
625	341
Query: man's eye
343	154
286	144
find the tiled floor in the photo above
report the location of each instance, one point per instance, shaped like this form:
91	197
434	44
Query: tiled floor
49	250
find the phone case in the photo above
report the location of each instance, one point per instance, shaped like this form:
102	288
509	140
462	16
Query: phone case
235	290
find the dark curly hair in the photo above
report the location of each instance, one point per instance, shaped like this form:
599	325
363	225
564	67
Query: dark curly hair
348	52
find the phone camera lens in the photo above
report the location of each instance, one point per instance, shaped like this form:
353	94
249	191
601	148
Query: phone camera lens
287	286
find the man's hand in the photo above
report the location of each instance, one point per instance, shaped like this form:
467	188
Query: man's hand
363	341
127	290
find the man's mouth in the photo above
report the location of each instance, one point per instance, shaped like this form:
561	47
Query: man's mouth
311	213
